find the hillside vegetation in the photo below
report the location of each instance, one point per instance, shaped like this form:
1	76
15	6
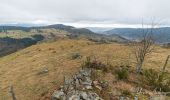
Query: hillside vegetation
35	72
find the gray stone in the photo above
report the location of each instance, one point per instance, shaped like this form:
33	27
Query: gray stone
57	95
88	87
74	97
86	83
83	95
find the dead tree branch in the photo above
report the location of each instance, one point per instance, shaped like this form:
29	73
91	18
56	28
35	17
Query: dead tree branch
11	91
166	62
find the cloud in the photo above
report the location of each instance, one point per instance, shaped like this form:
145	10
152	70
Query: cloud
84	12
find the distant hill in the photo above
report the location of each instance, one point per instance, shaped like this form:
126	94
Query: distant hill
10	45
55	26
13	38
162	35
74	32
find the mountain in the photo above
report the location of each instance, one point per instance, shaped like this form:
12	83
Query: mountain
162	35
73	32
85	33
14	38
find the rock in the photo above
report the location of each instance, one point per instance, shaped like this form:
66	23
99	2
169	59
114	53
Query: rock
79	76
83	95
88	87
68	81
74	97
57	95
96	84
98	87
86	72
86	83
104	84
98	98
77	83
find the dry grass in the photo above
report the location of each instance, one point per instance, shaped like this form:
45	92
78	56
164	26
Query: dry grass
21	69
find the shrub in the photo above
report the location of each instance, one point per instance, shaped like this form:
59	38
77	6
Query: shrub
75	56
95	64
156	80
96	75
122	73
126	93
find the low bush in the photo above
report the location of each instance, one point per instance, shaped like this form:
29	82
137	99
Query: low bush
95	64
97	75
126	93
156	80
122	73
75	56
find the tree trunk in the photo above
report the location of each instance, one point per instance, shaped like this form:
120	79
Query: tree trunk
139	67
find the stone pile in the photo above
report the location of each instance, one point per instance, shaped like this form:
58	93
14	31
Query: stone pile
79	87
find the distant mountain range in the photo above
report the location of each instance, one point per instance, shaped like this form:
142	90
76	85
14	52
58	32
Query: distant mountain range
74	32
13	38
161	35
70	29
27	36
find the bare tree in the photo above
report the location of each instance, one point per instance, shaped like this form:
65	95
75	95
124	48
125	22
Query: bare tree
144	46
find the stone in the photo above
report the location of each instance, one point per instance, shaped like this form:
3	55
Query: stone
96	84
74	97
104	84
79	76
57	95
77	83
86	83
88	87
83	95
98	87
98	98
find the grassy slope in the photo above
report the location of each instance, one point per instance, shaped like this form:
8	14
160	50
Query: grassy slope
21	68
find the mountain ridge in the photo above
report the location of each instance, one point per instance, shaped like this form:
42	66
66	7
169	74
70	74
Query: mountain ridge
14	38
162	35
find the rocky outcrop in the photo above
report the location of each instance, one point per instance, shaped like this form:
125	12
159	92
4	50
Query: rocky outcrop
79	87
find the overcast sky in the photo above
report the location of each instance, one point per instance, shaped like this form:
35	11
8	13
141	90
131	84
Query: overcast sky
85	13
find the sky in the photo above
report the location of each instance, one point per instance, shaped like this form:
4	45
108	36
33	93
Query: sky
86	13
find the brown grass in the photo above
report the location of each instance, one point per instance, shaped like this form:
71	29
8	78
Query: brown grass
20	69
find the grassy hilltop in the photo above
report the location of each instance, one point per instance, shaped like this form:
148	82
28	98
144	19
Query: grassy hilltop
36	71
